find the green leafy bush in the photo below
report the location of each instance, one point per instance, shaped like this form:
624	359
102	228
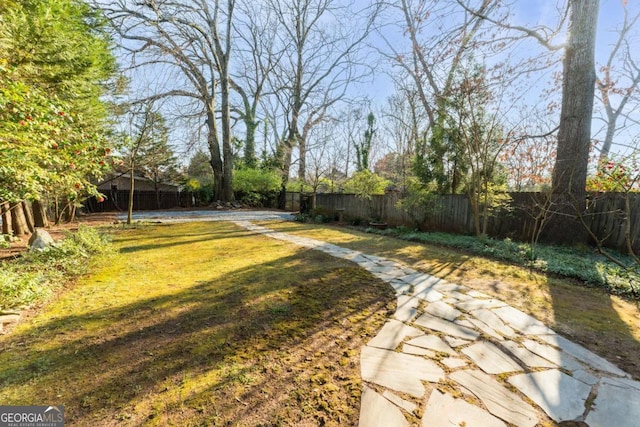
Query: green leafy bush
256	186
584	265
34	276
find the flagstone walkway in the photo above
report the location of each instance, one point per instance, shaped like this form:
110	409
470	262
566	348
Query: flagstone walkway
452	356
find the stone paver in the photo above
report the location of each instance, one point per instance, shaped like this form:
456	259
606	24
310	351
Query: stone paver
407	308
437	324
478	333
561	396
432	342
443	310
398	371
392	334
522	321
553	355
491	359
501	402
400	402
615	406
527	357
581	353
378	411
443	410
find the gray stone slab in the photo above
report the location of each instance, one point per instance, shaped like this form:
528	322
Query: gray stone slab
444	286
392	334
490	358
400	287
384	276
581	353
375	411
622	382
429	295
407	308
615	406
476	304
585	377
553	355
367	264
397	371
458	296
456	342
501	402
443	310
559	395
443	410
527	357
463	321
400	402
485	329
521	321
432	342
418	351
449	328
453	362
493	321
387	270
477	294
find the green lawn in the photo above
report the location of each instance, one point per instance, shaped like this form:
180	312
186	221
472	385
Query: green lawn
200	324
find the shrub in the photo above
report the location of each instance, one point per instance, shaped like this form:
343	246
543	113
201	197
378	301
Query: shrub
34	276
256	186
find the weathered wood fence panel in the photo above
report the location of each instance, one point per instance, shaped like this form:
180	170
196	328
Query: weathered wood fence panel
118	200
452	213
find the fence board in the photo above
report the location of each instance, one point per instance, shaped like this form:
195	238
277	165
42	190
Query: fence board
605	215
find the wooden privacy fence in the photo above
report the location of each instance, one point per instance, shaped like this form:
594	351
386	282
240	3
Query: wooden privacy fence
452	213
118	200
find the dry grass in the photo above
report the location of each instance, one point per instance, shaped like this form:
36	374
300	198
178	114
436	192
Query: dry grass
201	324
607	325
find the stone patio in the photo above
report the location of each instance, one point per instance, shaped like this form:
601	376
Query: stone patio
453	356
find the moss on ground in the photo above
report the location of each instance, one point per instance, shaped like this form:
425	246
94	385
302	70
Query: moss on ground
201	324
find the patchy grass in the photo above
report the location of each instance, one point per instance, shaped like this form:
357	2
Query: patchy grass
604	323
201	324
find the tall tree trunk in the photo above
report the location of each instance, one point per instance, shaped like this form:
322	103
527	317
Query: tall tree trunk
227	152
132	187
214	152
5	211
574	135
40	218
18	221
250	140
302	161
28	216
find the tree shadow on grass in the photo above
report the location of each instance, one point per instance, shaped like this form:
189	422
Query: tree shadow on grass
587	315
220	351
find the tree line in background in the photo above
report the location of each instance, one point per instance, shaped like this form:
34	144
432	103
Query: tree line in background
268	95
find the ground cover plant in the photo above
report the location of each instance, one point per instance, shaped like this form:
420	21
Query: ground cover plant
583	264
201	324
606	324
35	276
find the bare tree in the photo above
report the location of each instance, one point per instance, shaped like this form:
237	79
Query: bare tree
618	81
258	53
323	40
189	42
